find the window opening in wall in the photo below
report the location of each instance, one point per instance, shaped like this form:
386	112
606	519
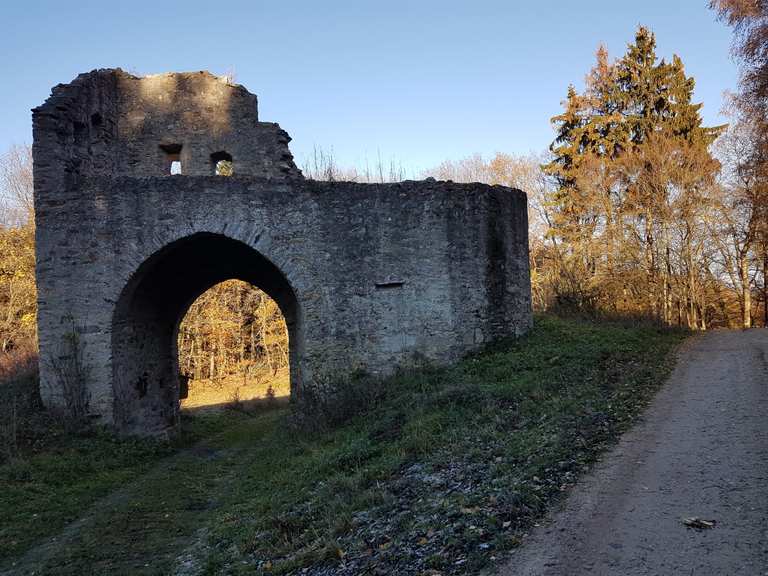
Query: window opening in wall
222	164
80	132
172	158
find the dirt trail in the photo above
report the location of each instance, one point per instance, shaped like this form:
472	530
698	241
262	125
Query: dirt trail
700	451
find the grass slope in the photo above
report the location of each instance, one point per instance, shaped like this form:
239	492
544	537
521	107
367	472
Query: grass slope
440	472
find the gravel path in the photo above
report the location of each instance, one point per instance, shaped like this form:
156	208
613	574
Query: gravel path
700	451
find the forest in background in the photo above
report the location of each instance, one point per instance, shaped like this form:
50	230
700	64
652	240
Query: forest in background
637	210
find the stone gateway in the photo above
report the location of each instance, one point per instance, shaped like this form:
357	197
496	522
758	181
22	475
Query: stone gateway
136	219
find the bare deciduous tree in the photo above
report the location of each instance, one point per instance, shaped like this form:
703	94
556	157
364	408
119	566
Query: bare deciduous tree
16	186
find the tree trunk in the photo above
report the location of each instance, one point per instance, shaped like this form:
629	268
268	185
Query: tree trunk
746	295
765	288
651	263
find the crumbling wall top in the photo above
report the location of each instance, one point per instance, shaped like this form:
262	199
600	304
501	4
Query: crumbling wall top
109	122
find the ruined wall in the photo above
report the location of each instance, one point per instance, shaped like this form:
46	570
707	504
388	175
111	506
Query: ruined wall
368	276
201	115
108	122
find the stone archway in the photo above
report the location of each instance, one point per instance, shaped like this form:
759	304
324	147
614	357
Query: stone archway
381	275
146	320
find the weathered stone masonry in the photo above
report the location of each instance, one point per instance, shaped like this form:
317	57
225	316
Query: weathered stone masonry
368	276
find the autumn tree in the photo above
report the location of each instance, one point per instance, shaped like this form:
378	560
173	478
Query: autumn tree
749	19
232	329
631	166
17	253
735	227
16	204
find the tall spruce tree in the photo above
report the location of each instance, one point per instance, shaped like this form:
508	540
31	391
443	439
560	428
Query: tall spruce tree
629	155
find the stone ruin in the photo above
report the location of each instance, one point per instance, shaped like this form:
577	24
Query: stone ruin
369	277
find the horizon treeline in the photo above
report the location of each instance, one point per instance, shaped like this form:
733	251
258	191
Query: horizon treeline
636	210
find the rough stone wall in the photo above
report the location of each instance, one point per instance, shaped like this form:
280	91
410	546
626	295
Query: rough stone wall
108	122
203	115
368	276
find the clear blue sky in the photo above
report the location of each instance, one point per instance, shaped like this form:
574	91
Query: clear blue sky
421	81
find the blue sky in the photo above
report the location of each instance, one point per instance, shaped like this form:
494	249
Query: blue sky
418	81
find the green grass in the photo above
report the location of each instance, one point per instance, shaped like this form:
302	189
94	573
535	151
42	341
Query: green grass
441	469
43	492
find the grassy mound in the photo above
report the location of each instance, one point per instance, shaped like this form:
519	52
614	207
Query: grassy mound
434	471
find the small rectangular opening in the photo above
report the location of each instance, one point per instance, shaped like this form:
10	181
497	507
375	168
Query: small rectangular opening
172	158
222	163
389	284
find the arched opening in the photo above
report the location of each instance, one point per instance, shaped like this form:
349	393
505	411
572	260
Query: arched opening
149	313
222	164
233	348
